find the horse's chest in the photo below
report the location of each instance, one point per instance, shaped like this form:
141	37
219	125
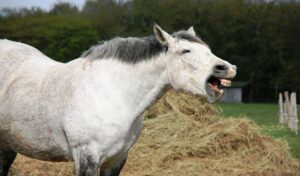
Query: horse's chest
112	136
126	137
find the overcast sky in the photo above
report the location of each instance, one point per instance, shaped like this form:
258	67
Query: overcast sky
44	4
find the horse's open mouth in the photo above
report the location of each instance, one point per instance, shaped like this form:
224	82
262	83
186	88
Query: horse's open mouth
213	86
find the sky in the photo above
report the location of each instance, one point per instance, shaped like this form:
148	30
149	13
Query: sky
44	4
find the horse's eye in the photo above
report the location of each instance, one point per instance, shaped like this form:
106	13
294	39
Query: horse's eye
185	51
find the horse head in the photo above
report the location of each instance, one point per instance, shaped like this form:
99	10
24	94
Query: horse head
192	66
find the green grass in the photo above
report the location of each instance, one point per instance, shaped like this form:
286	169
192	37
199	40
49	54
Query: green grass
266	116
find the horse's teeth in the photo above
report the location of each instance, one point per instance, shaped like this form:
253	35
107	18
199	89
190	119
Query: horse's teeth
225	82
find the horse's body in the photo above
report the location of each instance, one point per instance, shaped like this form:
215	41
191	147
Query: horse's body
46	106
87	110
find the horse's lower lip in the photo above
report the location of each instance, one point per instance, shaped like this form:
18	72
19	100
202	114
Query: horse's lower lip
214	95
216	90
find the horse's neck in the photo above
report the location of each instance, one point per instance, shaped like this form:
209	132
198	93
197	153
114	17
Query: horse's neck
131	87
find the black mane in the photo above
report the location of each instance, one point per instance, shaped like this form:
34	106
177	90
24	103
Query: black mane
133	50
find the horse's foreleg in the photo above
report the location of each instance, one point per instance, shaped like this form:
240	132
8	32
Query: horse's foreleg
7	157
114	170
87	163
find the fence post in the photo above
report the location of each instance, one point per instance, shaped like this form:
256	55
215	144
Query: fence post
285	116
294	113
288	109
281	109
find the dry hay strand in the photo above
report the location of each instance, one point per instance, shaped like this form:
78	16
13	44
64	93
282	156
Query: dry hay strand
183	135
182	104
24	166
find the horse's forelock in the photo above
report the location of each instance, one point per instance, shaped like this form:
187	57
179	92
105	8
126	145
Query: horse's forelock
186	36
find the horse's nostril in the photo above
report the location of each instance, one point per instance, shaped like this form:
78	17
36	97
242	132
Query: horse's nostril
220	67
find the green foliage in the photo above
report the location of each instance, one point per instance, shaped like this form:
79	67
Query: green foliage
64	8
61	37
106	16
261	38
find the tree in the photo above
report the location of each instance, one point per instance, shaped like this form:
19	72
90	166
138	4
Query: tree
60	37
64	8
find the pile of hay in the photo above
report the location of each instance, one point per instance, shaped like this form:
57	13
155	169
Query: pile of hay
182	135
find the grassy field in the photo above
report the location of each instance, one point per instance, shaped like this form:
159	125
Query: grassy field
266	116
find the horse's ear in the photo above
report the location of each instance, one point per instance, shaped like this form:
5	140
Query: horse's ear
162	36
191	31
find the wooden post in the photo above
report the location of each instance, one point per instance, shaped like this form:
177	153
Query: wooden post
281	113
288	109
294	113
285	116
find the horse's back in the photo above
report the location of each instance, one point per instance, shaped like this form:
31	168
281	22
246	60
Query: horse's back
12	55
12	52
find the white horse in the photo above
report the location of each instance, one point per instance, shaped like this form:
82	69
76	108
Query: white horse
89	110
